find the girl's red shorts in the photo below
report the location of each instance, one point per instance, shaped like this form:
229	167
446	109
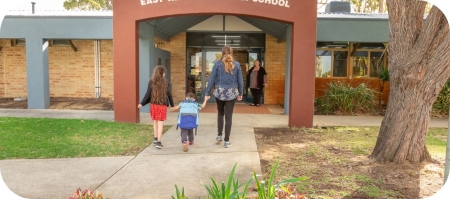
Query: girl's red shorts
158	112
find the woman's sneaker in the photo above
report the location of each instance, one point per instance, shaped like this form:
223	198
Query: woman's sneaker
218	139
226	144
191	143
155	140
159	145
185	147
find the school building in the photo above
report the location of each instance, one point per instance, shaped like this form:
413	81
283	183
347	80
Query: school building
111	54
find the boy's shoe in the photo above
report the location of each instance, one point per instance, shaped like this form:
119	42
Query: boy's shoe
218	139
226	144
185	147
159	145
155	140
191	143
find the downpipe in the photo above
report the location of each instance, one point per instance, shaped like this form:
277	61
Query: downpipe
97	59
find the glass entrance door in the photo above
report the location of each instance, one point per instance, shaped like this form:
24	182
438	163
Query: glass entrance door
210	57
200	65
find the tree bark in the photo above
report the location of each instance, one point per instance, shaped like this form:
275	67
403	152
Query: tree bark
419	65
380	6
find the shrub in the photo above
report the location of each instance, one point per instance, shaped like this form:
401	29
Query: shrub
86	194
442	103
341	97
269	190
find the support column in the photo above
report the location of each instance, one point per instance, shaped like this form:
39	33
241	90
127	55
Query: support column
146	59
287	79
37	73
126	69
301	105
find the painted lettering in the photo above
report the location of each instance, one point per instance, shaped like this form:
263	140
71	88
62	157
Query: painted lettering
282	3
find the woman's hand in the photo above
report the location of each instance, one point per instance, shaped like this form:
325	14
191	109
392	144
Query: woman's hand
207	98
140	105
239	98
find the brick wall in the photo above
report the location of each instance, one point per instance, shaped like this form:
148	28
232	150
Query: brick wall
275	65
2	73
107	68
14	77
177	49
71	74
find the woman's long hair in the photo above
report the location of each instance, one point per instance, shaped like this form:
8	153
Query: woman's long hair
227	59
160	86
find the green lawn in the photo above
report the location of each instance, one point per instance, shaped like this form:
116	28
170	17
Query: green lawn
33	138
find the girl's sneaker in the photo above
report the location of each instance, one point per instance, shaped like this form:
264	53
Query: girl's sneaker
155	140
191	143
226	144
159	145
218	139
185	147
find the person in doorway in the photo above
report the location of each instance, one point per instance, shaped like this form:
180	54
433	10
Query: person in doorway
159	97
226	76
256	81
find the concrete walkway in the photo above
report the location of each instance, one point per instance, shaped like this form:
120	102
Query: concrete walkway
153	173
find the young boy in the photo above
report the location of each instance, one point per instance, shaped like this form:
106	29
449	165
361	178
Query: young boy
188	133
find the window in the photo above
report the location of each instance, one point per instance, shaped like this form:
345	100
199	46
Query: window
331	63
367	63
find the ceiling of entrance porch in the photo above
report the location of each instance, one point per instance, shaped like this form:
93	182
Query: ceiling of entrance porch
168	27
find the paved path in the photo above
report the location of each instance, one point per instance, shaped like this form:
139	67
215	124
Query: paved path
153	173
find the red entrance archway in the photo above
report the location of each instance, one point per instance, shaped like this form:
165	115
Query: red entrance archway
302	15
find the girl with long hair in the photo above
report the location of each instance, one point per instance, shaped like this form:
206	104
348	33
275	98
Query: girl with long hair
159	97
226	76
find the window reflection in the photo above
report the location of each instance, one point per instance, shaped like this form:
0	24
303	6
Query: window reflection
323	63
360	64
340	64
376	63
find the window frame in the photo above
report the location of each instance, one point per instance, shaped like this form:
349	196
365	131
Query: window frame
332	62
369	62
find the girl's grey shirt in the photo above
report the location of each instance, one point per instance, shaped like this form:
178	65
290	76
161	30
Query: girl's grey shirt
223	79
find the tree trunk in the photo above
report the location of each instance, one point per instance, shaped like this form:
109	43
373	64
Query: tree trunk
380	6
419	65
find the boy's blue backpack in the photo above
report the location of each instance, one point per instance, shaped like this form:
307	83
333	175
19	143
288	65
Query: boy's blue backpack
188	115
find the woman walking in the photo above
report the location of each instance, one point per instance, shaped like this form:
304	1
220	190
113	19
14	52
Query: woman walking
159	97
226	76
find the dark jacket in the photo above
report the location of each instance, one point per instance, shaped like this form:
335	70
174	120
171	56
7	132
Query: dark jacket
260	78
148	96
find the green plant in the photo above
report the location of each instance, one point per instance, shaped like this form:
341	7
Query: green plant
270	190
442	103
342	97
178	194
228	191
383	76
86	194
